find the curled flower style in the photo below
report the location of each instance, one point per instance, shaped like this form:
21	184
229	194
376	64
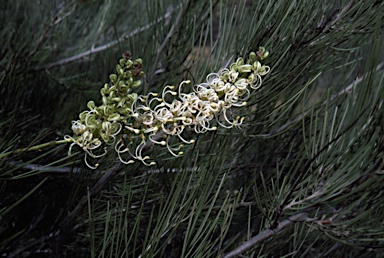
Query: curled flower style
130	122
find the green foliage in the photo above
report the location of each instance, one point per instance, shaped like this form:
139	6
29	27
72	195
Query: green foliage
303	177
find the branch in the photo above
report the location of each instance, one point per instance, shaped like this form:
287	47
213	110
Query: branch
299	217
49	169
33	148
75	170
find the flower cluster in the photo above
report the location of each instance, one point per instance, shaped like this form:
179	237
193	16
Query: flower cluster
128	122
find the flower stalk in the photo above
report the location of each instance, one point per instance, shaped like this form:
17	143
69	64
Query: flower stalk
36	147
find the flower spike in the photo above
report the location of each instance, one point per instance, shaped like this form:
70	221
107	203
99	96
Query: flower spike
124	115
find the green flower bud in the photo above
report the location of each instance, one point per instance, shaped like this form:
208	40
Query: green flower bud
83	115
136	83
240	62
117	99
111	109
256	66
113	78
91	105
129	81
252	57
104	99
124	110
102	110
131	97
234	67
263	70
91	122
119	70
262	53
225	76
114	117
245	68
112	94
87	136
128	74
138	61
266	54
105	125
115	127
122	84
128	63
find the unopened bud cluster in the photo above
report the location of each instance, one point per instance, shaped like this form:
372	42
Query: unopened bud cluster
128	122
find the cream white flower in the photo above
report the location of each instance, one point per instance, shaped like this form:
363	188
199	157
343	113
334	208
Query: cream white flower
129	121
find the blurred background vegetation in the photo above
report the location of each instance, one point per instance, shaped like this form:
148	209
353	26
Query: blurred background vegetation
304	178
